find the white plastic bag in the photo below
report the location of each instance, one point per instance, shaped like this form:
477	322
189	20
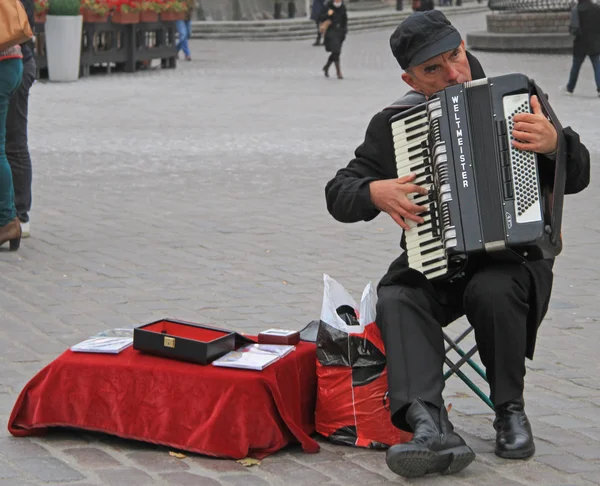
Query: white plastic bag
335	295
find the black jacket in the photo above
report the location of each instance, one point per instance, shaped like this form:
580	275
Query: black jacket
336	33
588	42
349	200
28	47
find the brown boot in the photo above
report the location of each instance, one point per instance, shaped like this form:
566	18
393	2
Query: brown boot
11	232
338	70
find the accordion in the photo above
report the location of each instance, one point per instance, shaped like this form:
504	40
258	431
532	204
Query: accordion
485	196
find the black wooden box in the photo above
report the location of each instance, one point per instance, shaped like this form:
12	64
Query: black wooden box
186	341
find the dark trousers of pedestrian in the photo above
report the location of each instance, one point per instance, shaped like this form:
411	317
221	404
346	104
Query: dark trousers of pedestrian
495	300
576	67
17	146
318	40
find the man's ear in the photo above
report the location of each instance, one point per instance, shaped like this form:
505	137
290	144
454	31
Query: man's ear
408	79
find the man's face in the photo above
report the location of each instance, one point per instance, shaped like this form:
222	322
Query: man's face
437	73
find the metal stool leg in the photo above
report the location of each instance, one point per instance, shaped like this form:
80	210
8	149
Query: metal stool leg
465	358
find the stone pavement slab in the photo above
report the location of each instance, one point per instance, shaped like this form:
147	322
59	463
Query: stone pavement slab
197	193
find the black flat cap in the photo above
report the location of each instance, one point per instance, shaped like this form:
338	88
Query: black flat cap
421	36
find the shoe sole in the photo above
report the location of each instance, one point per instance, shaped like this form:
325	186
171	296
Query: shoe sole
518	454
415	463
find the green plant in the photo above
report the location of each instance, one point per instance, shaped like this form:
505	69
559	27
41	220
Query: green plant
64	7
98	7
178	6
151	6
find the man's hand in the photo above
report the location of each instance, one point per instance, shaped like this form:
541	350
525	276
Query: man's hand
391	196
533	131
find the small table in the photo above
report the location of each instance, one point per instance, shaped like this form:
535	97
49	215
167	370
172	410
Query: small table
221	412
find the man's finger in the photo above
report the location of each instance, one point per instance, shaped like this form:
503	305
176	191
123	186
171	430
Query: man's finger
414	188
526	118
413	208
527	127
524	136
399	221
526	147
406	214
535	105
406	178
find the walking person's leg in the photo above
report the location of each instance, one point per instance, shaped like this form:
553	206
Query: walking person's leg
17	146
575	68
318	41
186	47
11	71
182	44
338	67
596	64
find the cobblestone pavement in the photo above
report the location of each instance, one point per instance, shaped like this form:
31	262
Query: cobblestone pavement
197	193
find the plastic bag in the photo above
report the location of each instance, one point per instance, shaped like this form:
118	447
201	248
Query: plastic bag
352	405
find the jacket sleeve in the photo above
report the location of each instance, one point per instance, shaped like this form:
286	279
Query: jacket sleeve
578	163
347	194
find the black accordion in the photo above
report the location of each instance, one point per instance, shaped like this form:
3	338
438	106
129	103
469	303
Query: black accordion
485	196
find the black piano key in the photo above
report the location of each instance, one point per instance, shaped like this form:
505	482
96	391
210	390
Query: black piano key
428	242
432	270
417	127
420	155
424	232
434	261
431	250
416	117
426	163
416	135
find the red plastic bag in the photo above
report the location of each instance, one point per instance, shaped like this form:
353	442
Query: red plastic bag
352	405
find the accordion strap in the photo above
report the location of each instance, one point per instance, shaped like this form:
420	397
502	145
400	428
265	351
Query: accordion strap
560	168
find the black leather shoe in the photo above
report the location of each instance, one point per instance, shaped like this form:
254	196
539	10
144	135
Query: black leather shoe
514	439
433	449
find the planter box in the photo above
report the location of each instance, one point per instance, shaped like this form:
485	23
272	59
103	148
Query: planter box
125	18
172	16
93	18
148	16
112	46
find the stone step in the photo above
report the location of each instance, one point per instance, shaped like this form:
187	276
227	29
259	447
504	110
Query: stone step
296	29
551	43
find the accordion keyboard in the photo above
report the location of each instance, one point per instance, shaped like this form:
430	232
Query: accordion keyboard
424	244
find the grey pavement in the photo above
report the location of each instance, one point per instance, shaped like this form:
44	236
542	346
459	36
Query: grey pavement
197	193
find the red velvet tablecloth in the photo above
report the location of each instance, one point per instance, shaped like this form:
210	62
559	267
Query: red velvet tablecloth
220	412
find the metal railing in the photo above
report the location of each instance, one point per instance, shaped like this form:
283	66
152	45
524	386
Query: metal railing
532	5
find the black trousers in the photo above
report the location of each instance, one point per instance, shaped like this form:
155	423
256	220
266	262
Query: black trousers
17	147
495	300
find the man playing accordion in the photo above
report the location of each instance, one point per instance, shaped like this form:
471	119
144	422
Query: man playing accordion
505	302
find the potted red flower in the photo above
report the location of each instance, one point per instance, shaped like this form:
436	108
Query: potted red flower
95	11
40	11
